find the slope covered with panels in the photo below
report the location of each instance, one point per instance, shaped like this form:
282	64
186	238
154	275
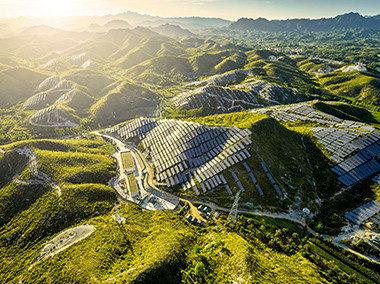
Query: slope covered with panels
253	94
353	146
186	153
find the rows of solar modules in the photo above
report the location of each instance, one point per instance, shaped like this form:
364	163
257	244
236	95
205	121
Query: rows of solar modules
136	128
303	112
246	96
40	115
254	180
354	145
216	98
66	96
270	177
222	79
188	153
35	100
353	151
63	86
237	181
376	179
47	84
365	212
271	93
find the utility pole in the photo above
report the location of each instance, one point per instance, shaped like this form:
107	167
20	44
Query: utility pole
233	213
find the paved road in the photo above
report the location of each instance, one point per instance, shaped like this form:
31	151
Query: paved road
165	200
296	217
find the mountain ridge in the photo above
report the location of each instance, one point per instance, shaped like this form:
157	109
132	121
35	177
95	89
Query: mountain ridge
350	20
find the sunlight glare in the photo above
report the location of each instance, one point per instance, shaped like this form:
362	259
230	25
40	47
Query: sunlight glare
56	8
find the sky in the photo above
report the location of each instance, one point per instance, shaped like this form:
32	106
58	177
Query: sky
227	9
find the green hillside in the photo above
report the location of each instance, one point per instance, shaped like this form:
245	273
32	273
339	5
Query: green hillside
95	82
11	163
275	143
164	70
349	112
155	247
146	50
17	84
125	102
360	86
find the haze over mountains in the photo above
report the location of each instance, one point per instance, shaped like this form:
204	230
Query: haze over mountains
126	20
340	22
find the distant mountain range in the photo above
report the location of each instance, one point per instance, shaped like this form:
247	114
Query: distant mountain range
186	26
346	21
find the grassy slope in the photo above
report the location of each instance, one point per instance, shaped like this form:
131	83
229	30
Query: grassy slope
363	86
11	163
349	112
73	161
283	152
17	84
95	82
125	102
151	247
159	247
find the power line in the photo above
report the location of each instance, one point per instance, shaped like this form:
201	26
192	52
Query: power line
232	216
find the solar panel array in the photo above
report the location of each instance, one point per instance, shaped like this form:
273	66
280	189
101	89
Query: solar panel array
216	98
376	179
272	94
47	84
270	177
353	145
222	79
39	116
237	181
35	100
303	112
365	212
189	154
353	151
253	178
136	128
246	96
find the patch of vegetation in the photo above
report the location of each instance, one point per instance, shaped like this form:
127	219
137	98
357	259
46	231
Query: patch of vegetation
349	112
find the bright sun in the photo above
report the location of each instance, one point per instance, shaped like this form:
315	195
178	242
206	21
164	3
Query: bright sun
55	8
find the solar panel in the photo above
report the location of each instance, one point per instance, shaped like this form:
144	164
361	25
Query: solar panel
253	177
259	189
228	189
277	189
264	166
